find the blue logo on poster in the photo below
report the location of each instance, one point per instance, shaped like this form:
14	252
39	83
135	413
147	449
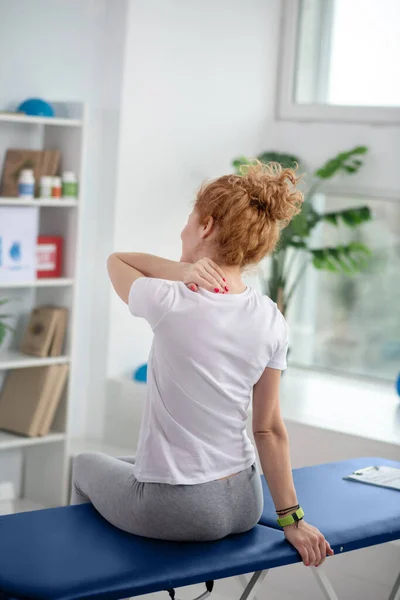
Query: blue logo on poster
15	251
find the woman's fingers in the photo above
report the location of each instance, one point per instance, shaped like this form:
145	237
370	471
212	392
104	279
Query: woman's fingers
210	271
192	287
213	265
311	556
206	274
317	550
329	550
201	275
213	269
309	542
322	549
302	550
208	283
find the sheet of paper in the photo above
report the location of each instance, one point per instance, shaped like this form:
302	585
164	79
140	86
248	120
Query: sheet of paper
382	476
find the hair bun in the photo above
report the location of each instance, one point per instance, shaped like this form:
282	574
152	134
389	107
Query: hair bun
271	190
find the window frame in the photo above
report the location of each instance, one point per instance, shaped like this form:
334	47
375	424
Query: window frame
289	110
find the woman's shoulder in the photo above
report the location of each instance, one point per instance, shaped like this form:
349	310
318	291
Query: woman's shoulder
275	315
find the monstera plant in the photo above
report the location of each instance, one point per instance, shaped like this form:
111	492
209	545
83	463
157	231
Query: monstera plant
285	273
3	322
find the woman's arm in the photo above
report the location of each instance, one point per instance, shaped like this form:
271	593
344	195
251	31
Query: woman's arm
273	448
272	440
125	267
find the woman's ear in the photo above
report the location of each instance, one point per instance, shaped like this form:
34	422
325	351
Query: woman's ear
207	228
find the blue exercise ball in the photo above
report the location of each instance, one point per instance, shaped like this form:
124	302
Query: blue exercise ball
140	375
35	107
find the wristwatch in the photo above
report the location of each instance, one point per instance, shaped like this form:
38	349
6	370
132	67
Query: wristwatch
294	517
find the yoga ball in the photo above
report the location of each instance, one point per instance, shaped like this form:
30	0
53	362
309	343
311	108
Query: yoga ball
35	107
140	375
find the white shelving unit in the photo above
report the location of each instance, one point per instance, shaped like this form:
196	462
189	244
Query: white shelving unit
59	282
27	120
38	202
10	440
12	359
38	467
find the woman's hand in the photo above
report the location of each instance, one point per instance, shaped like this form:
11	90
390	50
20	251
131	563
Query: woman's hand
309	543
206	274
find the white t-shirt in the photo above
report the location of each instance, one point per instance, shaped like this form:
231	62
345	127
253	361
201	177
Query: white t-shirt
208	352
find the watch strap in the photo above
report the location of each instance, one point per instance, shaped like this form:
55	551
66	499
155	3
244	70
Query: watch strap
294	517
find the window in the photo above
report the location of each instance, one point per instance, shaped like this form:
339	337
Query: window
337	55
352	324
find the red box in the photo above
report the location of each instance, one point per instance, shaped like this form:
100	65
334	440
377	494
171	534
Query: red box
49	253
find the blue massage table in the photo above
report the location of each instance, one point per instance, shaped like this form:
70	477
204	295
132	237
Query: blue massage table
72	553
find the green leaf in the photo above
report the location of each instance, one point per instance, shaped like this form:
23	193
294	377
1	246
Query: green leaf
301	226
347	162
4	326
323	259
331	218
360	248
348	259
286	160
352	217
239	163
360	150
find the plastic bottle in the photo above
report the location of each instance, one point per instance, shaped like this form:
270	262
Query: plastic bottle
56	187
26	184
46	185
69	185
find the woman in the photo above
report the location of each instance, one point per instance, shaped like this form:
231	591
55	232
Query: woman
217	343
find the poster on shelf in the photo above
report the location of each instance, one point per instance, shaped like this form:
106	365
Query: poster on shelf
18	237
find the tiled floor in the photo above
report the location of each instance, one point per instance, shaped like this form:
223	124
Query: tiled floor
363	575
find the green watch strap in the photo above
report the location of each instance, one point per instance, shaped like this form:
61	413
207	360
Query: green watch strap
292	518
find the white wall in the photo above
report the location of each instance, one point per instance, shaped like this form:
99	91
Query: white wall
198	90
194	87
200	84
73	50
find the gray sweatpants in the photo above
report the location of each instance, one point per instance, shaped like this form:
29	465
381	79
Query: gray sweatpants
200	512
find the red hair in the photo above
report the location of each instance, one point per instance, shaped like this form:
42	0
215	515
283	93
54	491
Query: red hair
249	211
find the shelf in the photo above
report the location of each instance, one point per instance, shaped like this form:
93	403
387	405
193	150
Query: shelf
38	202
11	440
9	507
12	359
25	119
45	282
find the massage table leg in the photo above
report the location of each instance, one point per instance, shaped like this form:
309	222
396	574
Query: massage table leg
254	585
324	583
243	580
395	593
